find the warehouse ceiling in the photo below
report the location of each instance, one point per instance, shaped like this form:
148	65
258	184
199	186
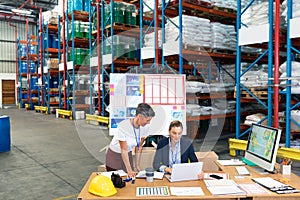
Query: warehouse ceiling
7	6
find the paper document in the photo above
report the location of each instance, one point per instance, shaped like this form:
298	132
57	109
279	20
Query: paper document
268	182
152	191
186	191
253	188
223	187
225	190
221	182
157	175
223	175
231	162
108	174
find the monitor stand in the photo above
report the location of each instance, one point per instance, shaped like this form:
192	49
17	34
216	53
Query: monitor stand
263	171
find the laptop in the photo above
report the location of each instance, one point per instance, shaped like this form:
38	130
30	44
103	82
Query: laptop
185	171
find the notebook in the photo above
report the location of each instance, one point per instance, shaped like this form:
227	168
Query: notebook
185	171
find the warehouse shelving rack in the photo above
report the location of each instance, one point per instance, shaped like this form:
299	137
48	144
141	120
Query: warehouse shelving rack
72	97
91	49
102	64
30	60
47	73
217	58
168	10
273	81
292	50
20	76
176	8
269	52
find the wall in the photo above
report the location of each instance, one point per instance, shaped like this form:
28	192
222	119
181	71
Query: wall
6	76
8	42
8	50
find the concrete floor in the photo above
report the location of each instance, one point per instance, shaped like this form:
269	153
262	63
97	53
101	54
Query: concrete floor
52	158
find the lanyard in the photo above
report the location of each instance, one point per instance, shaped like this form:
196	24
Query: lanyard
137	139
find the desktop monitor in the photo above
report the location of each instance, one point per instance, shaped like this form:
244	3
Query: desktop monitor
262	147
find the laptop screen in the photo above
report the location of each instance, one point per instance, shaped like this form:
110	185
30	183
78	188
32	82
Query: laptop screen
185	171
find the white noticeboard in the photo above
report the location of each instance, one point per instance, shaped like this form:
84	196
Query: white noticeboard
164	92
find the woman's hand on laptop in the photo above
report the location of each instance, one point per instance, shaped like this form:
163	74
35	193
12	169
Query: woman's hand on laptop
168	170
201	175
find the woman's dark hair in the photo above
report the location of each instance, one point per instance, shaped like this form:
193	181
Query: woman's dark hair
145	110
175	123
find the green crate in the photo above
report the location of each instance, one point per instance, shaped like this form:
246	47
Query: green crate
77	30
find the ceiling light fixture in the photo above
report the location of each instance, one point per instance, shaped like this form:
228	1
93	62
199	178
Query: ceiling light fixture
19	11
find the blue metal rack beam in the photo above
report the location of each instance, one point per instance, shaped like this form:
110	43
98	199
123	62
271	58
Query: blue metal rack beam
92	46
290	56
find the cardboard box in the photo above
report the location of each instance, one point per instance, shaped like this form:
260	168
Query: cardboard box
208	159
147	157
101	168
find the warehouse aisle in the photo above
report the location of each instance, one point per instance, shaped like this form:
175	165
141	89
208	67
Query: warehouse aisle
47	159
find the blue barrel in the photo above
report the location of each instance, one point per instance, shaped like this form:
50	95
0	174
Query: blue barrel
34	85
78	5
48	41
24	96
55	82
86	5
32	67
32	50
54	42
4	133
23	50
23	67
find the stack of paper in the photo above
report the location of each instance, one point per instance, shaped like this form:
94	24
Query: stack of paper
119	172
223	187
231	162
157	175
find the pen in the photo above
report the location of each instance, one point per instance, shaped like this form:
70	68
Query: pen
285	161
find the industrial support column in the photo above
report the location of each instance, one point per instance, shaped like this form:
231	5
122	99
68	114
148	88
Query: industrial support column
276	63
64	56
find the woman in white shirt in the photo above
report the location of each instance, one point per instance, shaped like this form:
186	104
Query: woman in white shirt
130	136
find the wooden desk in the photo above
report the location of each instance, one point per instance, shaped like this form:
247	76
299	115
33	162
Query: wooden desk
129	192
294	181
